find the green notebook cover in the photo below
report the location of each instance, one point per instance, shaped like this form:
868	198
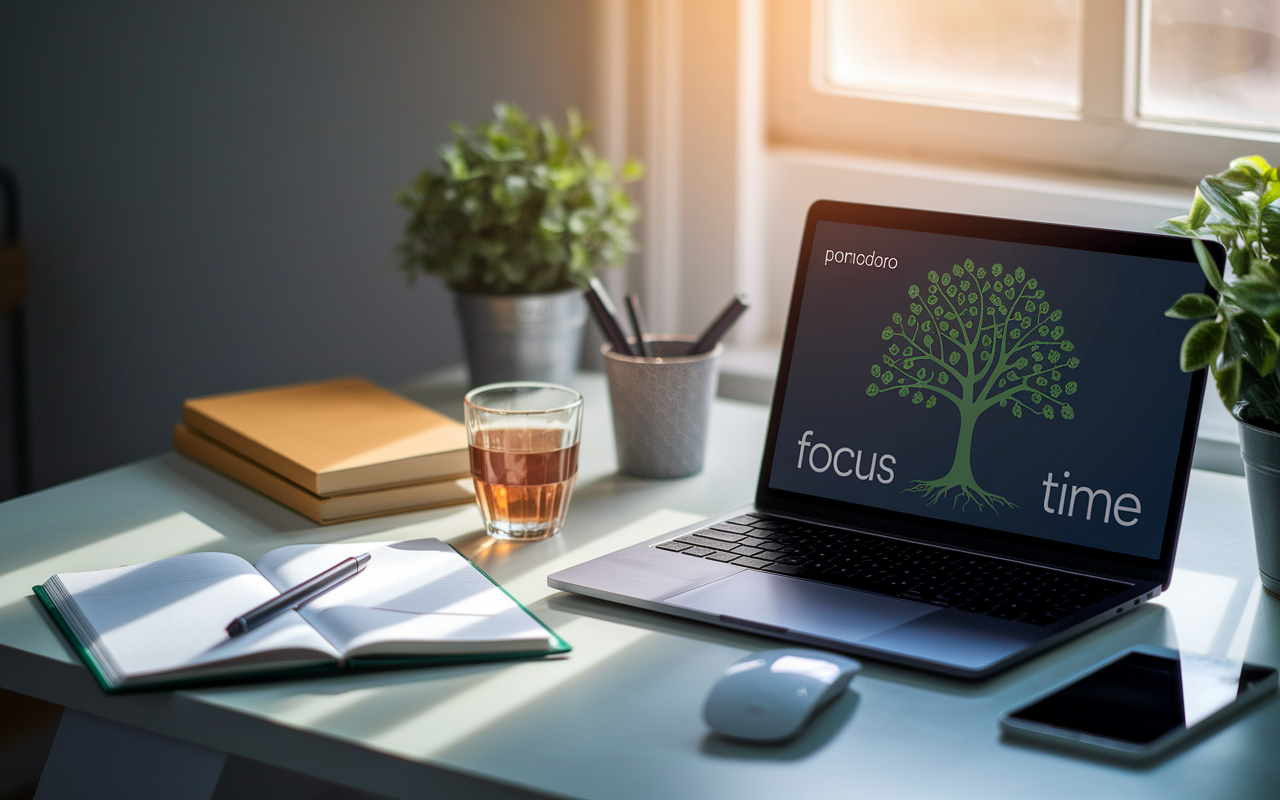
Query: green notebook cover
353	665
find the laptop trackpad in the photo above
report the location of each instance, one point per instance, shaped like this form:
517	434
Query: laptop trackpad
830	612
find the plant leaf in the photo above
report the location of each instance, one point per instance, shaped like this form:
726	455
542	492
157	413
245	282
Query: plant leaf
1271	231
1193	306
1218	195
1238	258
1199	212
1202	345
1271	195
1208	265
1178	226
632	170
1261	394
1242	180
517	206
1228	383
1255	164
1256	339
1255	294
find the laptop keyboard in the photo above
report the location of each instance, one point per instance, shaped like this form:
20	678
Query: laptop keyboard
942	577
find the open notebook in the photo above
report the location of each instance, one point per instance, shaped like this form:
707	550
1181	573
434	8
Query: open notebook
164	623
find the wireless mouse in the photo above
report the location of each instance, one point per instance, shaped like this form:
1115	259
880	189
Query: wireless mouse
770	696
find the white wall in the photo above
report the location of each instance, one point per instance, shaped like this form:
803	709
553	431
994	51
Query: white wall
688	63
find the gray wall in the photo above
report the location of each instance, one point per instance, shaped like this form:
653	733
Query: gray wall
209	192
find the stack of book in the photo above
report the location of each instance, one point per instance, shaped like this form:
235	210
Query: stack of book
333	451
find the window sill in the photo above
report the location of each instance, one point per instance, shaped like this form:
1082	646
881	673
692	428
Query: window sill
748	373
1044	197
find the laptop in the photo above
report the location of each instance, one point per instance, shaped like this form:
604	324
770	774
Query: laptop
978	447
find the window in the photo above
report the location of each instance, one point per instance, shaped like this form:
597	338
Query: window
1163	89
1020	55
1211	62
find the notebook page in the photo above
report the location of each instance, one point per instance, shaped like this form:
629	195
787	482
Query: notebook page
171	615
413	598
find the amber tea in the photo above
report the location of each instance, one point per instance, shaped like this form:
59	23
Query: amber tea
524	493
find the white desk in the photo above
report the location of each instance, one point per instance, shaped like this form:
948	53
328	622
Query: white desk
620	717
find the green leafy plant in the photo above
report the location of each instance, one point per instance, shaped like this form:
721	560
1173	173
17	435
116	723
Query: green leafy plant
979	339
1236	337
517	208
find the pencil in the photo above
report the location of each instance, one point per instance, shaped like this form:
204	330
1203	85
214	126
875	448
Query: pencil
637	324
719	327
606	317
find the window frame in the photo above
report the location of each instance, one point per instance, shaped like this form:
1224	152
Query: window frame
1106	137
1137	39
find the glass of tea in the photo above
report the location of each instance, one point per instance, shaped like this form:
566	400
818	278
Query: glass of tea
524	455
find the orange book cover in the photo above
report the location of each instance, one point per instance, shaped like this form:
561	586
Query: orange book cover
452	490
336	436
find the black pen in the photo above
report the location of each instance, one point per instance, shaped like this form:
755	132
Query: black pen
637	324
606	317
718	328
292	598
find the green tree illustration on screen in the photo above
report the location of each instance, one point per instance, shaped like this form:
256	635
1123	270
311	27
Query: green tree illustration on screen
980	339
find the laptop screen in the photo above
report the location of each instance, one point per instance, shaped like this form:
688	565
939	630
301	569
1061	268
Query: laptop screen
1026	388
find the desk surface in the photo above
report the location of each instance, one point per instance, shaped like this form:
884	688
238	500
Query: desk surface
620	717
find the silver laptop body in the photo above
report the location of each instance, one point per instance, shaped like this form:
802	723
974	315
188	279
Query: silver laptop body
943	378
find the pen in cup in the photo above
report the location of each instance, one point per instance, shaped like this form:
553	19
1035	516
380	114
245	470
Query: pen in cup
298	595
719	327
606	317
637	324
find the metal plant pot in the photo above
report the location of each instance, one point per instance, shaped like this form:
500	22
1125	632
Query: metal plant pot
1260	449
532	337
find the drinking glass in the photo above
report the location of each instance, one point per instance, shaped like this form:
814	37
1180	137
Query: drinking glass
523	438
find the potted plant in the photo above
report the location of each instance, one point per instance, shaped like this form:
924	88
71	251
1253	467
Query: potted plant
516	222
1236	337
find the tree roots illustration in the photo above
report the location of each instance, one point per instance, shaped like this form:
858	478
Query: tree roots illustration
934	491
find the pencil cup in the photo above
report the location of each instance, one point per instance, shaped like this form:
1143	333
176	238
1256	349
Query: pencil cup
662	406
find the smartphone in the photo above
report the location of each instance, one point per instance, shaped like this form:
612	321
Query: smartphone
1141	704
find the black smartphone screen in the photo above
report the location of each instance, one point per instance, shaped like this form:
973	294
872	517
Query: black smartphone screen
1142	697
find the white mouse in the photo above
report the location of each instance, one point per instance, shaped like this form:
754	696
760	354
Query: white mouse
771	695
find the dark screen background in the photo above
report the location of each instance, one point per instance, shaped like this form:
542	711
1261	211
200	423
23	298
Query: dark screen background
1129	409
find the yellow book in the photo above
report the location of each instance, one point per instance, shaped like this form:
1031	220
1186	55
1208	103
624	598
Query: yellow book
344	435
450	490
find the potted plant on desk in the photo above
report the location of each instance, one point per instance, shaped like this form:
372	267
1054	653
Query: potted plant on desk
516	223
1236	337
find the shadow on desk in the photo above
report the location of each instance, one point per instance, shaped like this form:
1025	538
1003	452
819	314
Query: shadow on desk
27	727
263	511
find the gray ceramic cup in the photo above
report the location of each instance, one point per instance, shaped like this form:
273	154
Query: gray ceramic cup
662	406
